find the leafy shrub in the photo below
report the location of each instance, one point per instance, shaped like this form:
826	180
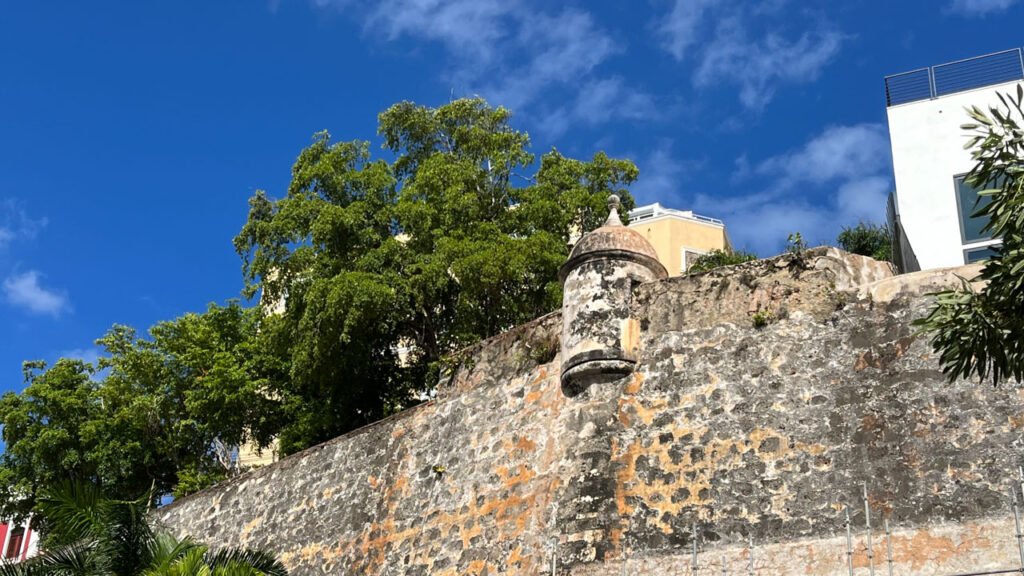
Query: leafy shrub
719	258
867	239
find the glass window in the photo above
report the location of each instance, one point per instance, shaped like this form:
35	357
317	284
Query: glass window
969	203
980	254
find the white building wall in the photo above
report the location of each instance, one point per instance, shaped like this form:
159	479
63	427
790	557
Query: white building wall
927	153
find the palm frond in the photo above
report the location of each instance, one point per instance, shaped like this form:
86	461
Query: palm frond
71	510
127	537
261	561
165	550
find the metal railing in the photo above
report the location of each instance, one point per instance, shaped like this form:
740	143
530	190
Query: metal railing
952	77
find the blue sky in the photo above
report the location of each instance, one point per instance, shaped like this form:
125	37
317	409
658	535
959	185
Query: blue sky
133	133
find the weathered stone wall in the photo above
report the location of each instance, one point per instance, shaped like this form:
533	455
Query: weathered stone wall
749	431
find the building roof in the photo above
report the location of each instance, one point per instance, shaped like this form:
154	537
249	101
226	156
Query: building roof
656	211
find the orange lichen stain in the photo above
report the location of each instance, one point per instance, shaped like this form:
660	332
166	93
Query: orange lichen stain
249	528
398	433
524	447
327	493
1016	422
924	549
373	481
633	386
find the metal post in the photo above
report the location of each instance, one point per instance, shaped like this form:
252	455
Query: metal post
888	546
867	523
695	549
725	572
750	568
625	558
1020	536
849	543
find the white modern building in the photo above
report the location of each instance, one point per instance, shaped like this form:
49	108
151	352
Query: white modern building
930	210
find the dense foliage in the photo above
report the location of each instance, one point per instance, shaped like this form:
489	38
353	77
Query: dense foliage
372	273
161	413
90	535
385	269
981	333
719	258
867	239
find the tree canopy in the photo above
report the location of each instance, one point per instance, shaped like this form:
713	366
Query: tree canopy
386	266
981	333
160	414
372	273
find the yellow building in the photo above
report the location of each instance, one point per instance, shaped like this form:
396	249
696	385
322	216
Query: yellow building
678	236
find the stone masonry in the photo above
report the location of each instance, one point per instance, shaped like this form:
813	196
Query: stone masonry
764	397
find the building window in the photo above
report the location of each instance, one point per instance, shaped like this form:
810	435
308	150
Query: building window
968	202
14	544
980	254
689	257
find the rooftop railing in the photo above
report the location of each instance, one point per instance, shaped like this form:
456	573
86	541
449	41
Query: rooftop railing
952	77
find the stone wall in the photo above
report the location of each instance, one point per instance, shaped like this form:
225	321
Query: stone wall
765	431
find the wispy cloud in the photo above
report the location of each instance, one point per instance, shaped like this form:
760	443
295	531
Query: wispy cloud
89	355
16	224
848	166
663	176
680	27
24	291
506	50
726	52
978	8
599	102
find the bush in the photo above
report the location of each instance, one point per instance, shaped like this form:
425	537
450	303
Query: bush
719	258
867	239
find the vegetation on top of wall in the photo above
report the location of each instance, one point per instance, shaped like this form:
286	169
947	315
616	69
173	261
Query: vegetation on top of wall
718	258
981	333
867	239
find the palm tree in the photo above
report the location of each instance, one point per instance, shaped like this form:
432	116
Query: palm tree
88	535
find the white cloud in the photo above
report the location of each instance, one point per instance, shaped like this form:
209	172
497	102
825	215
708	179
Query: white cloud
16	224
560	50
24	291
838	152
89	355
718	36
681	25
506	50
838	178
465	27
978	8
663	177
758	67
599	102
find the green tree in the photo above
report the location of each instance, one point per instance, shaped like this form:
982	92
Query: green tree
387	268
719	258
161	413
87	534
867	239
981	333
